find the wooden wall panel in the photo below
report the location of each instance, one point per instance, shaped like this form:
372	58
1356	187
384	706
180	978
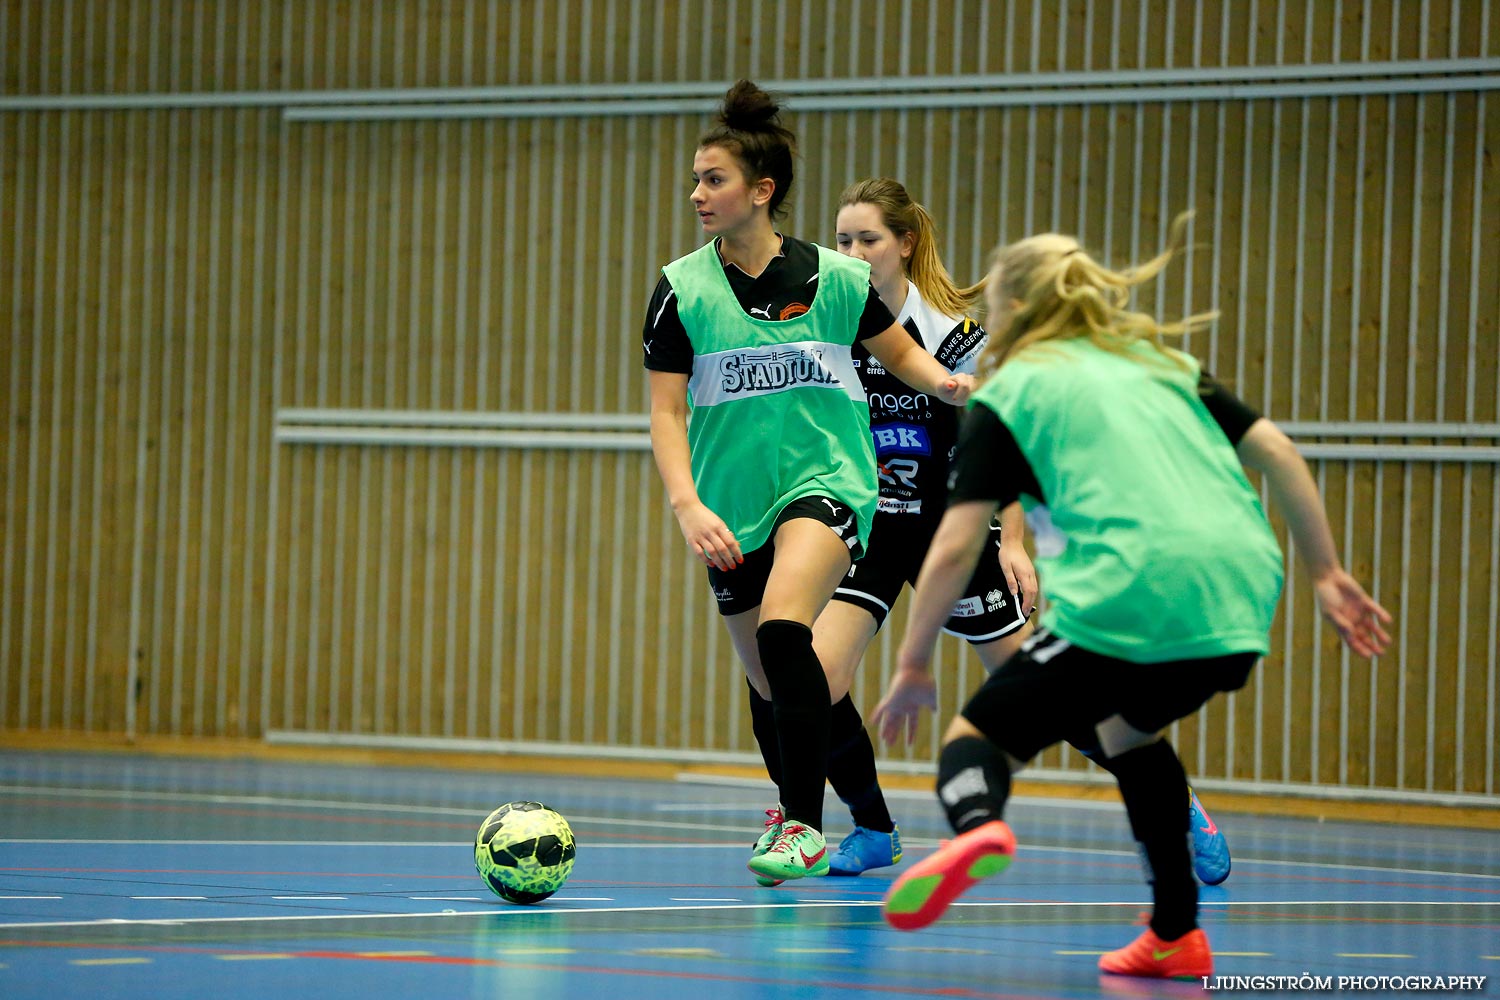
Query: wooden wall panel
173	277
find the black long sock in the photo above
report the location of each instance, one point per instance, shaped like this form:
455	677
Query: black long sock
799	701
851	768
973	782
1154	787
763	725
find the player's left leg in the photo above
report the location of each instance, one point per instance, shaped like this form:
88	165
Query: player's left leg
840	636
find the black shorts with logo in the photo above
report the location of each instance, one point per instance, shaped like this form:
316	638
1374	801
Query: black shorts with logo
742	588
1052	691
898	544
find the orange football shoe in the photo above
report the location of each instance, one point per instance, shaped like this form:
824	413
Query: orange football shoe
921	895
1186	957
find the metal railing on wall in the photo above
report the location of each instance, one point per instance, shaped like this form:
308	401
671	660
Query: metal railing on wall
626	432
1205	83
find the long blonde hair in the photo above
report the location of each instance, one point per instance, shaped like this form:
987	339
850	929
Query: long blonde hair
924	267
1064	294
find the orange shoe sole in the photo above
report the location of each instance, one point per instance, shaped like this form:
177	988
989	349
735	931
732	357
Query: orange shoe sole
921	895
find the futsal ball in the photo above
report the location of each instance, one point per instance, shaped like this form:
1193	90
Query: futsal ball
524	852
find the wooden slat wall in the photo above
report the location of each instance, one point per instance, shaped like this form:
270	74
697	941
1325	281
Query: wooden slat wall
170	278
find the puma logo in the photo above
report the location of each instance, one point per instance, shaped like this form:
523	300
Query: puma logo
831	505
766	312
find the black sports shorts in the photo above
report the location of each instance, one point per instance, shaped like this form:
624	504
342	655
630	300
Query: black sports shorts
742	588
898	544
1052	690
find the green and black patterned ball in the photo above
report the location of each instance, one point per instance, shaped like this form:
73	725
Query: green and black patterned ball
524	852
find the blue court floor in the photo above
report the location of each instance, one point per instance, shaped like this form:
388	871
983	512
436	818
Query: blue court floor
128	876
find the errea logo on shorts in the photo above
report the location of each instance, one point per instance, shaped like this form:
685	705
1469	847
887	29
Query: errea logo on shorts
995	599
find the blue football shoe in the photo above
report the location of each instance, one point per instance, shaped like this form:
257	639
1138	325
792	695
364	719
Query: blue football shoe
1210	849
864	849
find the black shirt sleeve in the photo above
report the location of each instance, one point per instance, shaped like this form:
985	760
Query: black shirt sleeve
663	337
988	464
876	319
1232	415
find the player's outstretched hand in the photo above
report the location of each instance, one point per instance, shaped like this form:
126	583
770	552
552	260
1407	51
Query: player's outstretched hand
956	389
1353	612
709	537
910	692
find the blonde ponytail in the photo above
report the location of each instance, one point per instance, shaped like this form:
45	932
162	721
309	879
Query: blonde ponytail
1064	294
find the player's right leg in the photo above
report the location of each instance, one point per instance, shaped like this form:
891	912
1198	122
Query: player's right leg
812	555
973	784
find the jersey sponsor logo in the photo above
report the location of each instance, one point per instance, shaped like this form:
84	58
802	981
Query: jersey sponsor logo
901	439
969	607
888	505
723	595
960	345
757	371
899	402
746	372
900	472
794	309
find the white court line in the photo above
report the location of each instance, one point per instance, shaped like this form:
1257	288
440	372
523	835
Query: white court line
307	898
738	830
168	897
521	910
342	844
736	845
330	805
30	897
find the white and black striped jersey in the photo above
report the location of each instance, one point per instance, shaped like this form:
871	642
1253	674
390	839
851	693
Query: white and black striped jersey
915	433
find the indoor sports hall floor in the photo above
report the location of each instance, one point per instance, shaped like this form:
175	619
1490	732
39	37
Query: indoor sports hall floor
127	875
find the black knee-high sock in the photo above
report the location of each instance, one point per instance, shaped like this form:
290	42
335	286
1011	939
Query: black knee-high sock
1154	787
763	725
851	768
973	782
799	701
